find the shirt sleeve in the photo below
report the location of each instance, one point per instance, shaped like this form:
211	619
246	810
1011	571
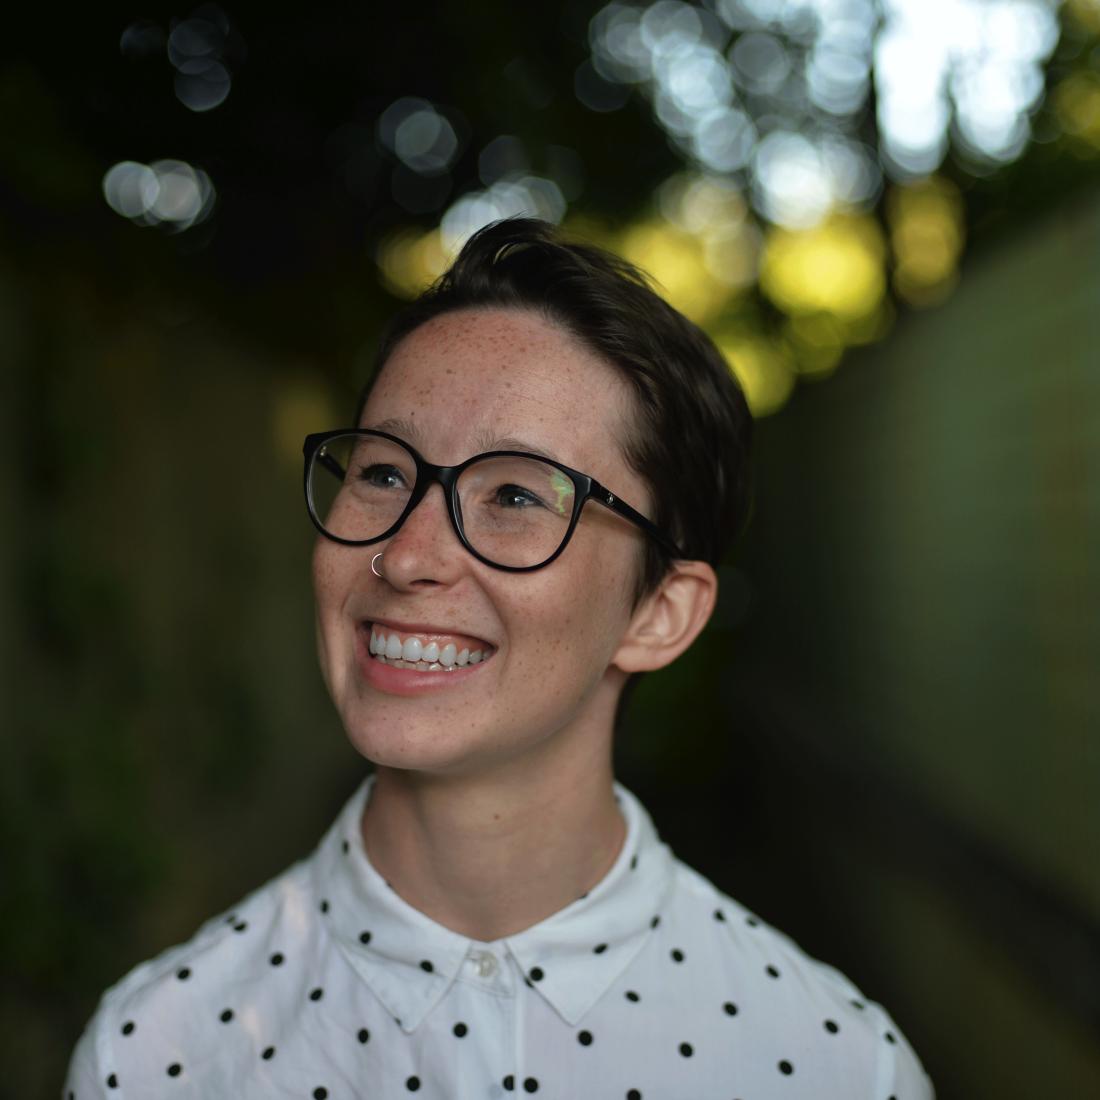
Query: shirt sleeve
87	1079
900	1073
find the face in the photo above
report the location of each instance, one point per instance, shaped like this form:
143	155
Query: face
464	383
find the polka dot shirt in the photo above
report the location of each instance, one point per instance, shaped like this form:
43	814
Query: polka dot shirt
652	986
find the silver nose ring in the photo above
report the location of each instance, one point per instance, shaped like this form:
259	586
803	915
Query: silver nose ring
374	567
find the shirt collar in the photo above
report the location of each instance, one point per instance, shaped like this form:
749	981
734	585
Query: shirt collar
570	959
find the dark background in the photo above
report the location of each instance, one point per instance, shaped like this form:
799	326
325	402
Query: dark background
887	741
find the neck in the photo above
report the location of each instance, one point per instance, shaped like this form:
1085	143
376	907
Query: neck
490	855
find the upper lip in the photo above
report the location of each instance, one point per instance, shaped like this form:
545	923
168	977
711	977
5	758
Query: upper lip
426	629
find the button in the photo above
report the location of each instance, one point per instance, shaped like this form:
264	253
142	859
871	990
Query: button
486	963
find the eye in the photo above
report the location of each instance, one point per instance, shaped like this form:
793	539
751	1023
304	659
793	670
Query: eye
381	476
515	496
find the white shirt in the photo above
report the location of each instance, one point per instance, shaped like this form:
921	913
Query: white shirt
324	984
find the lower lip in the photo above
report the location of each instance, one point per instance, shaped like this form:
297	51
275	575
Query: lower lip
406	681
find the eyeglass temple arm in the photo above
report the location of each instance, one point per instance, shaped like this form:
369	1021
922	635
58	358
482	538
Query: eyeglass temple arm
609	500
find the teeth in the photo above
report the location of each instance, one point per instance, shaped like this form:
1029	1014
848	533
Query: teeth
414	653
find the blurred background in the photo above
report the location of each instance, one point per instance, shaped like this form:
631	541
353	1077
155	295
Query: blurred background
887	214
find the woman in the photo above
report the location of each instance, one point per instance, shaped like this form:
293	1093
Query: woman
545	468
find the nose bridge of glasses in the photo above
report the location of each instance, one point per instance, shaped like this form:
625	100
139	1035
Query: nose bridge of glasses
431	477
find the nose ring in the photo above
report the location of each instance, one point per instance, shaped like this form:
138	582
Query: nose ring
373	567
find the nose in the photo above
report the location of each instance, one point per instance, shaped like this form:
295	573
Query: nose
425	551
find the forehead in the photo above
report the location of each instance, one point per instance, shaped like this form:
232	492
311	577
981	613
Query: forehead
466	381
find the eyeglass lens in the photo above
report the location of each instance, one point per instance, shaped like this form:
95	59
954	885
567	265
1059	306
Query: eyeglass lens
513	511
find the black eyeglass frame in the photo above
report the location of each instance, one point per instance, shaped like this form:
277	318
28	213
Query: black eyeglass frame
428	474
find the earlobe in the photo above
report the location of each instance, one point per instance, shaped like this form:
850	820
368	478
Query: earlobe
669	619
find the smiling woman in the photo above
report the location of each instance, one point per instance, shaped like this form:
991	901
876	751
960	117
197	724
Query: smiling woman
491	906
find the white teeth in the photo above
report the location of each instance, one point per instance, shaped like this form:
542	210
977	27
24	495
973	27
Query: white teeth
415	653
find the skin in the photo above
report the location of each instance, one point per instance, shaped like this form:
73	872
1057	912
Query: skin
493	804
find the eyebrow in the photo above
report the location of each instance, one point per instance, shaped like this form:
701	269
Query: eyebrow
406	429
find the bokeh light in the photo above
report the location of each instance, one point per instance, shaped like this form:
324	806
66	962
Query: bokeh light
926	237
170	193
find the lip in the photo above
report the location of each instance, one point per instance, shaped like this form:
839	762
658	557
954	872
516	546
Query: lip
406	681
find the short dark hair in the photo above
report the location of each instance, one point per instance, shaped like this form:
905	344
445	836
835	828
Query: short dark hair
691	440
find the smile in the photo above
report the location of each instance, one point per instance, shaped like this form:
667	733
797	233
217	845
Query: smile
422	653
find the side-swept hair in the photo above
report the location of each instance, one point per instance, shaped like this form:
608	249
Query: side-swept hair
690	438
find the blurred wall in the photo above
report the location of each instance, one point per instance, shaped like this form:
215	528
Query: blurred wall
912	701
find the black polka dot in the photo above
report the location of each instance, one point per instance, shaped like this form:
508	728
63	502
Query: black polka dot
599	949
752	922
719	915
771	971
316	994
832	1027
364	1035
277	959
175	1069
632	996
112	1081
856	1004
460	1029
536	973
786	1068
677	955
584	1038
686	1050
633	1094
412	1084
364	937
656	921
890	1037
324	905
530	1085
633	863
226	1015
268	1054
344	845
509	1083
426	966
183	973
320	1093
729	1008
128	1027
240	926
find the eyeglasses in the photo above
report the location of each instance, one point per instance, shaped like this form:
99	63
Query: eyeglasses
512	510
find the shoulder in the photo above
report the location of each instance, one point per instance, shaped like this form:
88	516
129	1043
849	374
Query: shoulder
181	998
809	1015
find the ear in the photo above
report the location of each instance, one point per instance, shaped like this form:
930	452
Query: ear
669	619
